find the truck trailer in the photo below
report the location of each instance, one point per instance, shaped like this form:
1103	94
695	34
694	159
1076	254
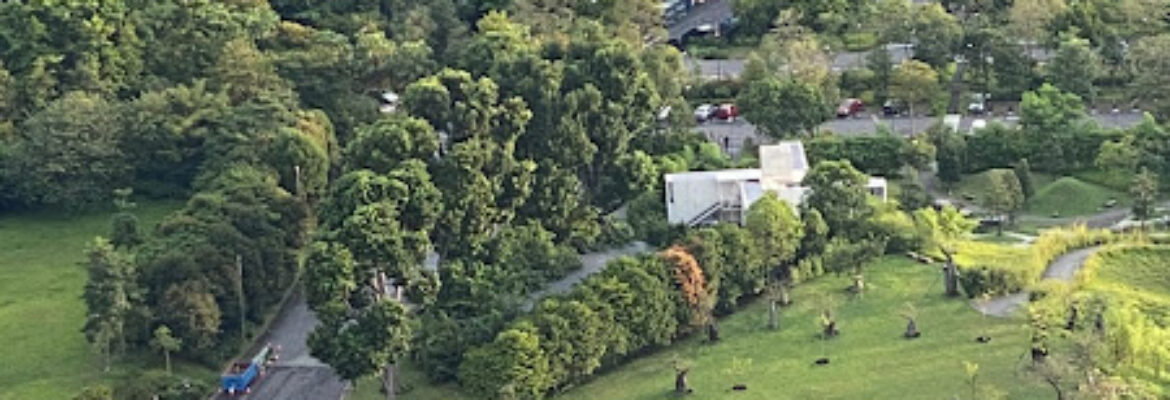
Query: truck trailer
240	376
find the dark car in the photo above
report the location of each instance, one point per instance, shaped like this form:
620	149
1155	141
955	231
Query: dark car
892	107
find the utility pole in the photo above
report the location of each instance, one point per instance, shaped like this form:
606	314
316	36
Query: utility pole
297	183
240	295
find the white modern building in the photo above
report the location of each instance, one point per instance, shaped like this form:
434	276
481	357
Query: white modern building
696	198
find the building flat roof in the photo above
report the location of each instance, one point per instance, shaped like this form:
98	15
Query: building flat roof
719	176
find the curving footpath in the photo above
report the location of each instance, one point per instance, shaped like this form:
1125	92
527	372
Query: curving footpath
1063	268
299	376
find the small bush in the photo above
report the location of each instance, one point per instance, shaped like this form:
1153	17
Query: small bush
160	385
615	232
992	280
859	41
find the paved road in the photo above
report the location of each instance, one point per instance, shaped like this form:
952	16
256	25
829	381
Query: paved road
299	376
296	375
712	12
1063	269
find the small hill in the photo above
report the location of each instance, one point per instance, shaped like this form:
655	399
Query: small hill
1068	197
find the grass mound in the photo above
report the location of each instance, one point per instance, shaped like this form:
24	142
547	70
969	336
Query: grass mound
1068	197
870	360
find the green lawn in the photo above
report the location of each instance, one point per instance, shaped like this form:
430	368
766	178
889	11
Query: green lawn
870	360
41	311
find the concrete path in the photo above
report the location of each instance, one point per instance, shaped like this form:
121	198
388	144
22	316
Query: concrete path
296	375
1063	268
592	263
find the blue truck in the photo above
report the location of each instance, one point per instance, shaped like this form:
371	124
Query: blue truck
241	375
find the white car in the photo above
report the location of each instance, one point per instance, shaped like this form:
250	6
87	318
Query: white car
703	112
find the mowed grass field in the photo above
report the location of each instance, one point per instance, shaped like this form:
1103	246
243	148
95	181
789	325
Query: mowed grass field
870	360
45	355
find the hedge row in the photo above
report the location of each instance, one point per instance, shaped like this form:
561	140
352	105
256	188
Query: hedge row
634	305
991	269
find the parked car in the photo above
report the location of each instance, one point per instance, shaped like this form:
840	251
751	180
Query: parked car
703	112
849	107
978	104
892	107
726	112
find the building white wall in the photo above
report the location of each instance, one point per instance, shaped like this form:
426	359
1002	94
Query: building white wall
688	194
784	163
687	197
783	167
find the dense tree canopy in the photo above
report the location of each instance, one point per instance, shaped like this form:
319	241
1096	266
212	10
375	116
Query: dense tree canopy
837	191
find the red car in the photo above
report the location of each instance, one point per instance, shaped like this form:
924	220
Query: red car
726	112
850	107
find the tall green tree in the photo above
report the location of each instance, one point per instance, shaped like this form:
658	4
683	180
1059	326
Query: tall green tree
937	33
1145	195
837	191
915	83
56	48
68	154
108	292
364	342
246	73
776	229
1004	196
783	108
1023	171
166	343
383	145
558	204
1029	19
952	155
890	20
183	42
329	274
940	229
743	271
163	133
816	233
1151	73
845	256
191	309
1074	67
879	61
1049	118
